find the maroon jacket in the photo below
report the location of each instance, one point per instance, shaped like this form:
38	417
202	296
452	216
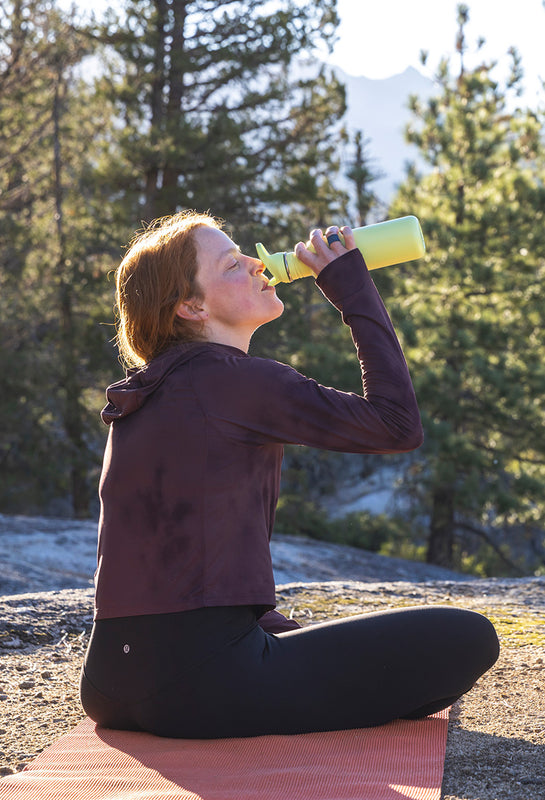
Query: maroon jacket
192	464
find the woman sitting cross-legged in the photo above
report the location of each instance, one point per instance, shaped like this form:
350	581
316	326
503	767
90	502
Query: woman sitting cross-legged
186	642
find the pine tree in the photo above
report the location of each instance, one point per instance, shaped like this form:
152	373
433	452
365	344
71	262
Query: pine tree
24	117
470	312
208	102
221	111
54	260
362	174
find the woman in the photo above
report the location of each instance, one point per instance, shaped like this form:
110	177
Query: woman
186	642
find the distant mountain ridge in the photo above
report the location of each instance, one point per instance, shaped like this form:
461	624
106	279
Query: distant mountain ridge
379	107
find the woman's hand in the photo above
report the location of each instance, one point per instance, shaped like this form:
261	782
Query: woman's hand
321	248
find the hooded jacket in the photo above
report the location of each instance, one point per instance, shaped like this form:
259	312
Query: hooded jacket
191	470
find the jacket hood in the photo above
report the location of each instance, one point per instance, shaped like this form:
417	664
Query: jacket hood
129	394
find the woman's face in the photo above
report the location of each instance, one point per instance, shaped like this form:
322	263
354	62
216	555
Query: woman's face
237	297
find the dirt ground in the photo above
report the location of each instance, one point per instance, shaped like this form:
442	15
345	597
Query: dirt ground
496	740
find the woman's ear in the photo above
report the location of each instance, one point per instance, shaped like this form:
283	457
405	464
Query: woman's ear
192	311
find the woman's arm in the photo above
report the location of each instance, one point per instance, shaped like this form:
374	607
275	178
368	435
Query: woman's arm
254	400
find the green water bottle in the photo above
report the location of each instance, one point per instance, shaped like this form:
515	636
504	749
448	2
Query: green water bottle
382	244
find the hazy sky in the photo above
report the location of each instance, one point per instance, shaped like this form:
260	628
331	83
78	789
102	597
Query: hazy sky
379	38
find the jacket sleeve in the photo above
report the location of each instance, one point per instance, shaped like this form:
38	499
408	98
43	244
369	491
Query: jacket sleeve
256	400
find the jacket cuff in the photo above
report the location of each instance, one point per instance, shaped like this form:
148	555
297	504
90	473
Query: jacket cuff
343	277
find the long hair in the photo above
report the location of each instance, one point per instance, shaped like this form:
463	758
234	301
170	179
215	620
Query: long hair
158	272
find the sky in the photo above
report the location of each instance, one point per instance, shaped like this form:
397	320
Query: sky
380	38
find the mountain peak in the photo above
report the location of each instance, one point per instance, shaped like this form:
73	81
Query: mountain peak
379	108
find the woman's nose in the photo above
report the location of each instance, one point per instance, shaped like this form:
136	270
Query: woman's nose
257	267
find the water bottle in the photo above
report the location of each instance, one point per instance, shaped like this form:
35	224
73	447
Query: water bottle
394	241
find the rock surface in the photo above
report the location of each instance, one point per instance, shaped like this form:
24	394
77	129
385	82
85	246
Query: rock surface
496	743
40	554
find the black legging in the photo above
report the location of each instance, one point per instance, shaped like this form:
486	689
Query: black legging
215	673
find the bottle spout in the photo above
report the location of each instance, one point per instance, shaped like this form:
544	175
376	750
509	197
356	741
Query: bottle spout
284	267
273	263
263	254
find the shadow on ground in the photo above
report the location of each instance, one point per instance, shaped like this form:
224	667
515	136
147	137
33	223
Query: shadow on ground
481	765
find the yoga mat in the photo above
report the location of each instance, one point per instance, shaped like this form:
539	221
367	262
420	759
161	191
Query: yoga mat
403	759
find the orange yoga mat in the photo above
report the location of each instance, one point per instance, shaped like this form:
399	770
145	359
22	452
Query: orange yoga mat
403	759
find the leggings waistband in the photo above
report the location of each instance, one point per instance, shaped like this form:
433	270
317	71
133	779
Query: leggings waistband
161	647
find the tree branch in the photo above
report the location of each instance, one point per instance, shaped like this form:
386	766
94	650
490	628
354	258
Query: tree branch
483	535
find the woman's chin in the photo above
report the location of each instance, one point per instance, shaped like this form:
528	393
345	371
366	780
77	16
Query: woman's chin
271	317
279	309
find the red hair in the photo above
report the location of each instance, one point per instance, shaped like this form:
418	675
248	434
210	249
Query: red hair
158	272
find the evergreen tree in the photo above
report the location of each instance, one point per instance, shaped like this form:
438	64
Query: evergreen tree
53	265
209	105
362	174
204	105
471	312
223	109
25	56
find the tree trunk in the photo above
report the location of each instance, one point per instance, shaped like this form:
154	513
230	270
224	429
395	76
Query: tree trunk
154	171
175	96
72	412
441	539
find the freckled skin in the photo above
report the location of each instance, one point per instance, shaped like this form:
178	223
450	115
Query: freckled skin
237	299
